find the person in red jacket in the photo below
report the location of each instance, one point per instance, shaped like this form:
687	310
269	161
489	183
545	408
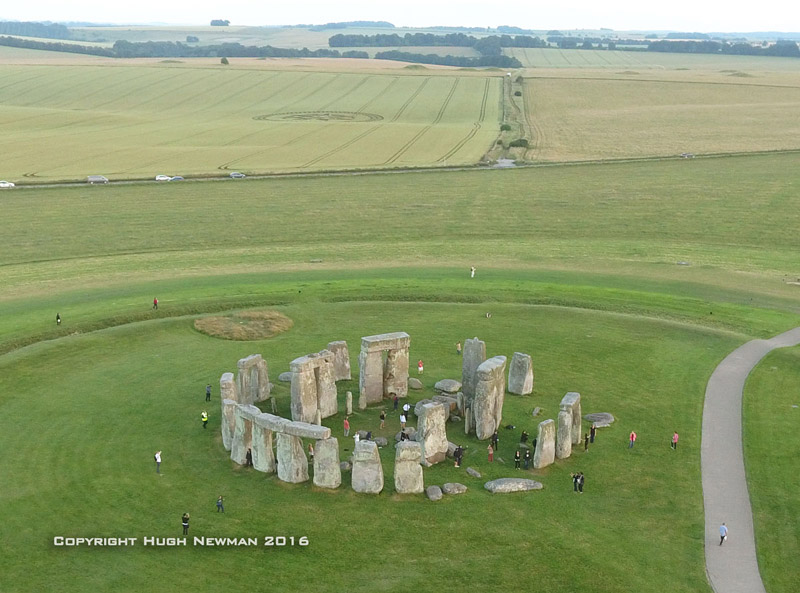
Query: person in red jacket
632	440
155	303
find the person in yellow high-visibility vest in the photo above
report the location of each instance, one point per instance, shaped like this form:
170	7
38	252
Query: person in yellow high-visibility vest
204	418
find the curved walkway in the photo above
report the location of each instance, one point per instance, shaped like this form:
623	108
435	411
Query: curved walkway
732	567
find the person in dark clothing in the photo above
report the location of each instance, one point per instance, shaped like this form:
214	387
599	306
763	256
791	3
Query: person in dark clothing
527	458
220	507
208	392
396	401
58	318
248	458
574	482
580	482
517	459
592	433
495	440
524	437
185	521
586	441
533	445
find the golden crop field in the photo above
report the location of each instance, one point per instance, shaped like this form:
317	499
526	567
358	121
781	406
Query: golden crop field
68	121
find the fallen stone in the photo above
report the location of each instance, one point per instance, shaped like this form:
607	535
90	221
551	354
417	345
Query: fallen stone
414	383
362	434
345	466
536	411
454	418
433	493
448	386
381	441
450	403
451	449
285	377
600	419
473	472
504	485
454	488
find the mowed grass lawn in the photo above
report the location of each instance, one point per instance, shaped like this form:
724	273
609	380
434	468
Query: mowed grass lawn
578	265
66	122
84	433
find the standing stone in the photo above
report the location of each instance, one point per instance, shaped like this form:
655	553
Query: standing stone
228	423
467	420
431	432
313	386
520	374
545	453
378	379
362	401
460	402
292	462
318	419
341	360
564	435
490	389
263	453
367	473
252	379
327	471
348	403
474	354
571	403
227	388
407	468
242	432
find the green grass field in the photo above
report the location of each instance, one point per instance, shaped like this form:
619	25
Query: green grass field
626	281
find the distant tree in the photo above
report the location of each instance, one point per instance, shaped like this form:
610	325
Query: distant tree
505	127
191	39
612	45
586	44
220	23
224	60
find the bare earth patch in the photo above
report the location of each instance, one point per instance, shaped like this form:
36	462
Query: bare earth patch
244	325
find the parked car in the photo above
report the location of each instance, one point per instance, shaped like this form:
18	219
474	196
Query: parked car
97	179
163	178
176	178
237	175
6	184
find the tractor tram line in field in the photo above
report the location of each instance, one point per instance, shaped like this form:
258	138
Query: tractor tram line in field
475	127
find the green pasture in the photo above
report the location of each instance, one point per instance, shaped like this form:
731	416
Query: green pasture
771	418
67	122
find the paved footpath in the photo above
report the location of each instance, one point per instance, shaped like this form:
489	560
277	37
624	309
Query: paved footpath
731	567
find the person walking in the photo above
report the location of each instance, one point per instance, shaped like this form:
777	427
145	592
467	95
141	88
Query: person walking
346	427
632	440
311	452
402	421
491	453
383	418
158	461
395	401
472	271
523	438
580	482
58	318
574	481
723	533
155	303
586	442
592	432
458	455
220	507
527	458
248	458
458	348
495	440
533	445
204	418
208	392
674	441
185	521
406	409
517	459
420	367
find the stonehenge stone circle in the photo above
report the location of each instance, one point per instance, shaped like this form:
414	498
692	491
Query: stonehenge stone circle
490	390
571	403
407	468
341	360
367	473
520	374
228	423
262	441
545	453
431	432
292	461
564	435
313	387
378	379
474	354
327	471
252	379
242	432
504	485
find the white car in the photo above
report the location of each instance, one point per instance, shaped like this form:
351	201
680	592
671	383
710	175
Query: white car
163	177
6	184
